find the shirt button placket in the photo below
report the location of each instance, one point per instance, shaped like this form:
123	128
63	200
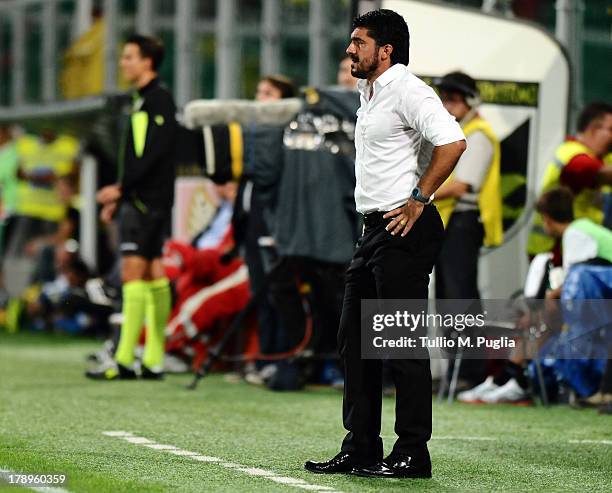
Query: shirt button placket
363	145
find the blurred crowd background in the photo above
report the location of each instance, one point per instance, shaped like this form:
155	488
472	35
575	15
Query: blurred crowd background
60	49
60	93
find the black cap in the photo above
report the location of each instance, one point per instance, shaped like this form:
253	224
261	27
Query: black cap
458	82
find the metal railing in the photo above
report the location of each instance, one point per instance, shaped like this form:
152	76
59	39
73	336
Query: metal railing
33	36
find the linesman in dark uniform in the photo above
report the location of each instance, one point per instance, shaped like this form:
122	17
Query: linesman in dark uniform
142	200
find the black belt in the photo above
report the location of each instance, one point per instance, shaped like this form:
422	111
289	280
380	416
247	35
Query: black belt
373	219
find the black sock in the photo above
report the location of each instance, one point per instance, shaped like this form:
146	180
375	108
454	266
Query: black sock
511	370
606	381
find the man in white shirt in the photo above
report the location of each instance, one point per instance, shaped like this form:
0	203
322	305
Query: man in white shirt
399	116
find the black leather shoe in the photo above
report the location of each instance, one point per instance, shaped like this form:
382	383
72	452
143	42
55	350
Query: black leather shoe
115	372
147	374
397	466
341	463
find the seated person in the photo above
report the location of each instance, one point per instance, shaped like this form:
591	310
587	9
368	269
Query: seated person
217	233
64	303
209	291
587	263
583	241
509	383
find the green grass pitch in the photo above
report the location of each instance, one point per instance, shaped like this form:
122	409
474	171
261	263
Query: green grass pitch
52	419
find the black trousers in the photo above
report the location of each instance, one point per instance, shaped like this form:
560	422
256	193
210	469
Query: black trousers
457	278
270	333
387	267
457	267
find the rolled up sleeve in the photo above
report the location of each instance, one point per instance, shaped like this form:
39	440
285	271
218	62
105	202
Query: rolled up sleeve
422	110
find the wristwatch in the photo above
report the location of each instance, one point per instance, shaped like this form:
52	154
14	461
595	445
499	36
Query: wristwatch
419	197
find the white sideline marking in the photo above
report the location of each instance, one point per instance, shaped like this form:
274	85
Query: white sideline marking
186	453
254	471
598	442
117	433
5	473
137	440
231	465
251	471
206	458
159	446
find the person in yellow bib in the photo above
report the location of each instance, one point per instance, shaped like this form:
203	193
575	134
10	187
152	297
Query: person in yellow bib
469	203
578	164
43	160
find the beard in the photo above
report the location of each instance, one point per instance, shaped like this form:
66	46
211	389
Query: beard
366	67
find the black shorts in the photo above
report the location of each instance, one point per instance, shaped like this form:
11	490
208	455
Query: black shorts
143	233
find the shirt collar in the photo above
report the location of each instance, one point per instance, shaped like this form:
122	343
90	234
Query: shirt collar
385	78
390	74
150	85
362	85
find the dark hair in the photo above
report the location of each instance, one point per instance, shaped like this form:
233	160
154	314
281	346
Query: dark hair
387	27
79	268
558	204
284	84
149	47
592	112
458	82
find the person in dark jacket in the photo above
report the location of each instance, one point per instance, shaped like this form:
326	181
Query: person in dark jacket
143	199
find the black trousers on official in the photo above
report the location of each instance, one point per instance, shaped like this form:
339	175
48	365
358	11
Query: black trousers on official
387	267
457	278
457	266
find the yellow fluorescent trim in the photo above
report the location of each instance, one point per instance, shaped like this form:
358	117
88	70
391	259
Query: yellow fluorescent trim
236	149
140	122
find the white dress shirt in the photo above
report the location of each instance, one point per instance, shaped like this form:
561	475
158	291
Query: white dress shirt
403	115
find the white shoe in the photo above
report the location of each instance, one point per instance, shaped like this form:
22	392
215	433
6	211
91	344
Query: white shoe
95	292
510	392
260	377
254	378
268	371
104	355
116	319
474	395
174	364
